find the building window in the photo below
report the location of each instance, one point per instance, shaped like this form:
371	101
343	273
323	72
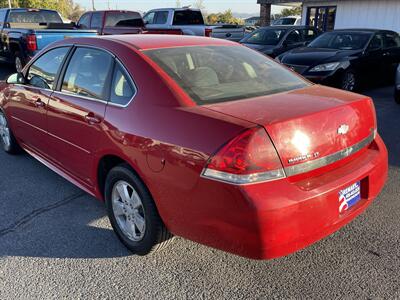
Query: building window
321	17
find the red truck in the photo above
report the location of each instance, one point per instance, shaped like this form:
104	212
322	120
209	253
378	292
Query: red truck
110	22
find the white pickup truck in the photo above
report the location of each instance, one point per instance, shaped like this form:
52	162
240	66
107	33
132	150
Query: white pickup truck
190	22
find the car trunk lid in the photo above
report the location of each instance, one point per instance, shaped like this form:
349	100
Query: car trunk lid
310	124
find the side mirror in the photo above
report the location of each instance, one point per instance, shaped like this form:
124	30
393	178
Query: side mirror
17	78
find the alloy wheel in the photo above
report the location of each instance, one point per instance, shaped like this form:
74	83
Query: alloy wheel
128	211
349	81
4	131
18	64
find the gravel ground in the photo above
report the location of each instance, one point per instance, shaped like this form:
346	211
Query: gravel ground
56	242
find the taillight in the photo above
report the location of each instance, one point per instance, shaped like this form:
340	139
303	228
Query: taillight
249	158
31	43
208	32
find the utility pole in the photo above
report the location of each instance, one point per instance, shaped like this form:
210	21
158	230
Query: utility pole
9	3
93	5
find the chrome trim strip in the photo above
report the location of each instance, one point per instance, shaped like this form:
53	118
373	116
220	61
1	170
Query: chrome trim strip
242	179
327	160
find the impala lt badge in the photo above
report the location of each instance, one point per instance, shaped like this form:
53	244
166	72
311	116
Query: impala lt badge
343	129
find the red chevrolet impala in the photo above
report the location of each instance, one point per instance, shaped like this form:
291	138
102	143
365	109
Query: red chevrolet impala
197	137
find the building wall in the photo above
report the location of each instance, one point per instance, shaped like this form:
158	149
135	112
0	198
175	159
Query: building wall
382	14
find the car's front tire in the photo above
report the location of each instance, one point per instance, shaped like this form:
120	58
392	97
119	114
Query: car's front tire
349	81
19	62
7	139
133	213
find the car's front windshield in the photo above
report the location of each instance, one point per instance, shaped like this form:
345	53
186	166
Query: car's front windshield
341	40
211	74
265	37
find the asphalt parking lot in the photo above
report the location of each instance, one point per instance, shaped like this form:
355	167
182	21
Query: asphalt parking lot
56	242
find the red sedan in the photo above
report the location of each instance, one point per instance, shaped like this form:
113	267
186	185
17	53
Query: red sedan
197	137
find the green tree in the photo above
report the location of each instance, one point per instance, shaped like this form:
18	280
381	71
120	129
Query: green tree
294	11
225	17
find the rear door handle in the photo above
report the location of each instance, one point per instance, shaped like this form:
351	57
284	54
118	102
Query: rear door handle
92	119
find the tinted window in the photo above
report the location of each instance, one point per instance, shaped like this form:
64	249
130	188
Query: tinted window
34	16
97	20
188	17
265	37
285	21
122	90
124	19
341	40
376	42
87	73
43	71
391	40
84	21
293	37
149	18
2	15
308	34
224	73
161	17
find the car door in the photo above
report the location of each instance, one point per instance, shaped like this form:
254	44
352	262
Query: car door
391	51
371	65
76	111
29	100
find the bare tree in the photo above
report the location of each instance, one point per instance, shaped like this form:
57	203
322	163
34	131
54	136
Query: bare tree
199	4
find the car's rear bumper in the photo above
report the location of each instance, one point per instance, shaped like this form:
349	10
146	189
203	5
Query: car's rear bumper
277	218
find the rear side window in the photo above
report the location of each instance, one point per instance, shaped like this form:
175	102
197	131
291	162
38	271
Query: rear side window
392	40
188	17
124	19
210	74
84	21
97	20
88	72
34	16
149	18
43	71
122	89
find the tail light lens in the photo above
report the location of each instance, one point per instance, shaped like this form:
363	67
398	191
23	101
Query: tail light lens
249	158
208	32
31	43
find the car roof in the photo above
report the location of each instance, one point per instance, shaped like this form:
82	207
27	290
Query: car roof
368	30
287	27
174	9
158	41
112	10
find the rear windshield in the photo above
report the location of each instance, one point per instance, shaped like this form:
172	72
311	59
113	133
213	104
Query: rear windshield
211	74
188	17
41	16
124	19
265	37
341	40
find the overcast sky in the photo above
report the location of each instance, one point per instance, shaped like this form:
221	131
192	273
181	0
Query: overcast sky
237	6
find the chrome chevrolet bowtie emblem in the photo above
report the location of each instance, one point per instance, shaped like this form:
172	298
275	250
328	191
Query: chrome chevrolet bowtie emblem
343	129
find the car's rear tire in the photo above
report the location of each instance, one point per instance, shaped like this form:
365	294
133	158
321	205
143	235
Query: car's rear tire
133	213
349	81
19	62
7	139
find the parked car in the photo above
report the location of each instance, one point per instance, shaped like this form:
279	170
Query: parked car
191	22
276	40
24	32
347	58
111	22
397	86
282	163
287	21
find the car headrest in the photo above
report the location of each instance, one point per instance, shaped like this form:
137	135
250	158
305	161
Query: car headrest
202	77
